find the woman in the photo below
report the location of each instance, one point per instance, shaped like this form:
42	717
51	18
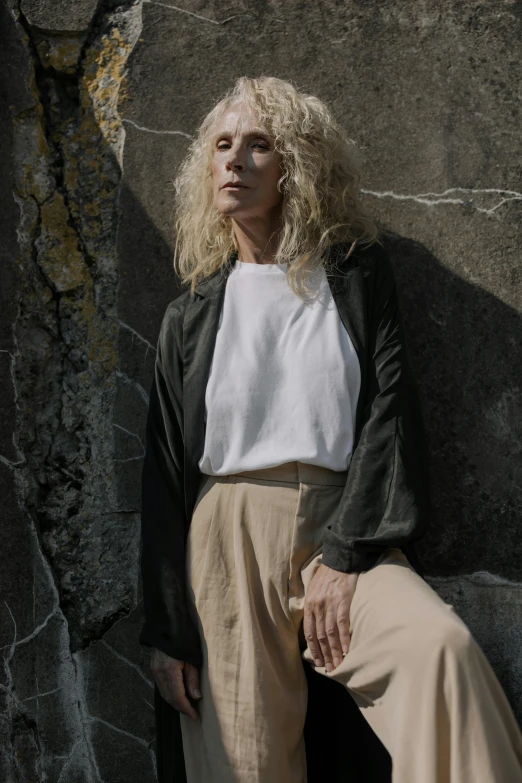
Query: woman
284	482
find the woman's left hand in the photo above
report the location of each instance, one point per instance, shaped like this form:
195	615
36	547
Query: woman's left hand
326	623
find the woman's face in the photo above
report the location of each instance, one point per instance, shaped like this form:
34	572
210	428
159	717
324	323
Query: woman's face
245	155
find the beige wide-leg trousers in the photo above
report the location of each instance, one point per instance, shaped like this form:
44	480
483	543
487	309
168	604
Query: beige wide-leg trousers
413	668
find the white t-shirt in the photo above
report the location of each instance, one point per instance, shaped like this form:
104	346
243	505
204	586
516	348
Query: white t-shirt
284	379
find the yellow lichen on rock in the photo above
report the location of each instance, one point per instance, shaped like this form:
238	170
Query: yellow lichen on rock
102	350
61	53
58	252
104	71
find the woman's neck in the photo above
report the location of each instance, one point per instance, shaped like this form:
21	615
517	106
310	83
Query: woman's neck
257	241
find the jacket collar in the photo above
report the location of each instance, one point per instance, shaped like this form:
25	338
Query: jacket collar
213	284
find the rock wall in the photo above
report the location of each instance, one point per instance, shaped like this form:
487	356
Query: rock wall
98	102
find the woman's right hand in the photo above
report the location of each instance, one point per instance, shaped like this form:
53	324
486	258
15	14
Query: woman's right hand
176	681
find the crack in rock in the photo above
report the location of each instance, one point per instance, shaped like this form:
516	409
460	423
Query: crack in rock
68	145
134	384
128	663
191	13
469	198
67	179
136	334
157	132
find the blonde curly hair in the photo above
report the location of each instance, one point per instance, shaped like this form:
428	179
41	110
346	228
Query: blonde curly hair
319	183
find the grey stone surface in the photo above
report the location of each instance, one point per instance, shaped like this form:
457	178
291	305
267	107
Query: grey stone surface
492	608
98	104
59	16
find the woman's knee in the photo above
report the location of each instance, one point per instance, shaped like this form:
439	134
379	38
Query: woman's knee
455	637
447	636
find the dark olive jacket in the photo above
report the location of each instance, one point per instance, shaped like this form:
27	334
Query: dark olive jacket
385	502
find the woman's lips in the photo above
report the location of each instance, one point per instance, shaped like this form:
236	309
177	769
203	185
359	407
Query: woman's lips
234	187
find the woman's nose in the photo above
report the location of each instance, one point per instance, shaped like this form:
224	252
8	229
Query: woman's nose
235	160
235	164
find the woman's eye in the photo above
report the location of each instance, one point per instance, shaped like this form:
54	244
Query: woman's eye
224	145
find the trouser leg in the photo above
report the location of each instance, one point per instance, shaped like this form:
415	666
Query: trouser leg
253	684
423	683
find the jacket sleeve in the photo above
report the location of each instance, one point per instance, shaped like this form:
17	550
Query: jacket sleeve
385	502
168	625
